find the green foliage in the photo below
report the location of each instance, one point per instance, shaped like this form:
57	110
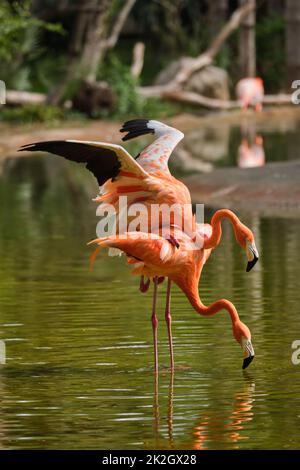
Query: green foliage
20	42
129	102
119	78
36	113
15	20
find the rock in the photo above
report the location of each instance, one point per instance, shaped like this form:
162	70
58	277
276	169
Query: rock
94	98
210	81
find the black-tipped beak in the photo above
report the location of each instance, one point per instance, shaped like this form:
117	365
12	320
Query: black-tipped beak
251	263
247	361
252	255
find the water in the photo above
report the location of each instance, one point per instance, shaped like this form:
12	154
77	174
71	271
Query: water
79	371
216	140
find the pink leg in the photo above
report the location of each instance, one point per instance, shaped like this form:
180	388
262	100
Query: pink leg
169	323
154	324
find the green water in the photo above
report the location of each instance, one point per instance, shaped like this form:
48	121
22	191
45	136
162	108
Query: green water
79	370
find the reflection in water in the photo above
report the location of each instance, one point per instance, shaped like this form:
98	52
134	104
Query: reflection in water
251	150
251	154
209	427
216	143
79	370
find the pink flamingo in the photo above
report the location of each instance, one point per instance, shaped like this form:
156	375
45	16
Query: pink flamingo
155	257
250	91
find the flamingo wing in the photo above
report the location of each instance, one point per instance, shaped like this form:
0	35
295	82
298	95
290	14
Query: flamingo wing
155	156
142	249
104	160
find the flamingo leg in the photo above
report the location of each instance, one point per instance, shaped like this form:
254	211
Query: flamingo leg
154	321
168	319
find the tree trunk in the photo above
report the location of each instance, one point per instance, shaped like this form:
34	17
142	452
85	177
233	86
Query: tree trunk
247	47
292	14
138	60
94	44
217	15
90	40
275	6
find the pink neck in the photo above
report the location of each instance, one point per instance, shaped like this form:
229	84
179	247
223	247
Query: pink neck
212	309
215	237
215	307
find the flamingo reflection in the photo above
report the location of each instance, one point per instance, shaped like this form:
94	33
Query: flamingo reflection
209	427
251	152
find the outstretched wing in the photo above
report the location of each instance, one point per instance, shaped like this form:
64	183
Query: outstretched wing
104	160
154	157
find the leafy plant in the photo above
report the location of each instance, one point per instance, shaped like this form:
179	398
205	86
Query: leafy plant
19	39
32	113
130	103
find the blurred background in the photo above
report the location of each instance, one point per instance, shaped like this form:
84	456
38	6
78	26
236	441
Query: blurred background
78	371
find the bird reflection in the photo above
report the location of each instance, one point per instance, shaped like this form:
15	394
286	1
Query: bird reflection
251	152
209	427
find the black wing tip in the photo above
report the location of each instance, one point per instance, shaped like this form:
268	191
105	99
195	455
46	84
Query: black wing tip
36	146
28	148
135	128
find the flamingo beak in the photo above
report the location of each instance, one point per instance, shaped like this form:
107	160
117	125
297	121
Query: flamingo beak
248	352
252	255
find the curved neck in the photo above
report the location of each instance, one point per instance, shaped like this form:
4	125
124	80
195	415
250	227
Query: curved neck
215	237
210	310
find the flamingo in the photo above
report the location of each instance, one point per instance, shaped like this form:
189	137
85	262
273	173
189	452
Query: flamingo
250	91
155	257
147	179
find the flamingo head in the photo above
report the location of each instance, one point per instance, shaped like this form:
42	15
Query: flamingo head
245	238
243	336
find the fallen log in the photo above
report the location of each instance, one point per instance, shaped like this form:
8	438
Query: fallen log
20	98
195	99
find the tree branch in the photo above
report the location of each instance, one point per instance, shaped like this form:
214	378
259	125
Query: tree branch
191	65
138	60
119	24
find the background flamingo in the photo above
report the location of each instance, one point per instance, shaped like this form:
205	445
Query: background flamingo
250	91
